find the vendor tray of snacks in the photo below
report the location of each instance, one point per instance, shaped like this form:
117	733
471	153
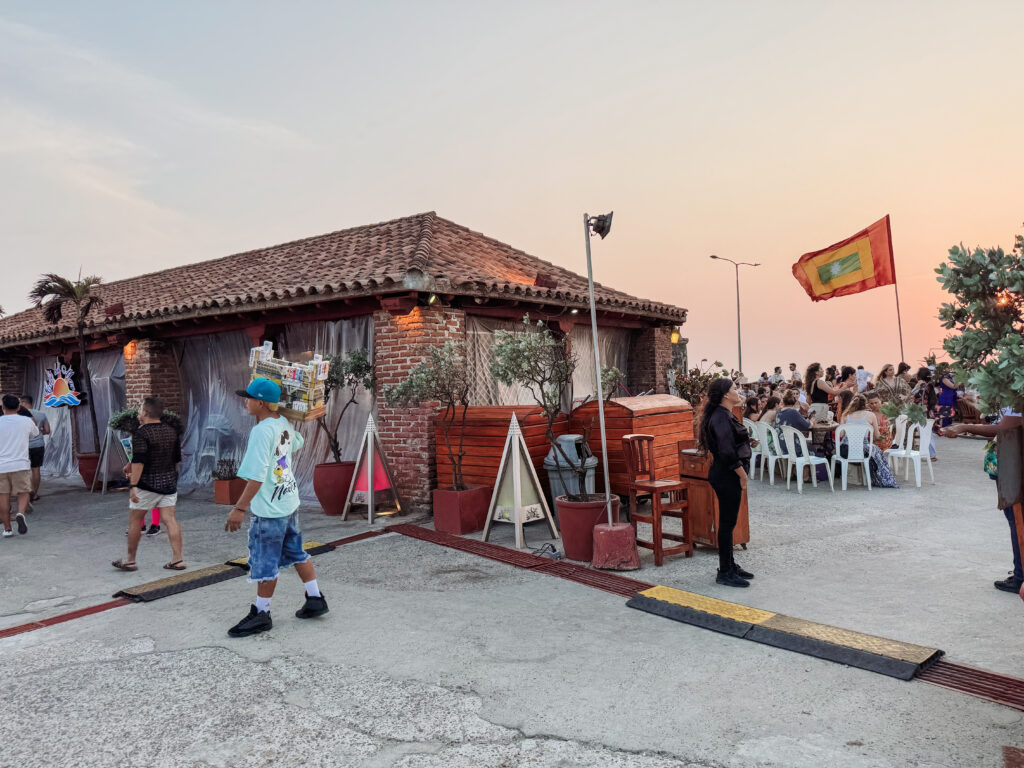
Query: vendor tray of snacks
302	384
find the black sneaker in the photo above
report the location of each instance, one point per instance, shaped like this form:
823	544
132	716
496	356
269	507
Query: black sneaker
741	573
153	530
1009	584
731	579
314	606
22	525
252	624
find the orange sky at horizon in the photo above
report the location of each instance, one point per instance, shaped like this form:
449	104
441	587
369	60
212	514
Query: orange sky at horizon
134	138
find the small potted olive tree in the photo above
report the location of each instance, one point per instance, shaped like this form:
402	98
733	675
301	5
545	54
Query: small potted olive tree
348	375
444	378
539	361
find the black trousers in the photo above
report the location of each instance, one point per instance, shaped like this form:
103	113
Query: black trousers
727	488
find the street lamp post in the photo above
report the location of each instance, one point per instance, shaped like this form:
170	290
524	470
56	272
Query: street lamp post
739	341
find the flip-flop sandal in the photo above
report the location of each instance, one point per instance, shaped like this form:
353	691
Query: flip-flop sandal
121	565
177	565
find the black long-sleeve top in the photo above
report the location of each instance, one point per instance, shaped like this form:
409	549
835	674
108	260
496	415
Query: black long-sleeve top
729	441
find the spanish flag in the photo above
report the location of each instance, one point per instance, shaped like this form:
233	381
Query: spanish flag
858	263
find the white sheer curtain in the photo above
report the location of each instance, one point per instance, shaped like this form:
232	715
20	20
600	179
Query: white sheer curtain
59	460
613	344
328	338
479	342
213	367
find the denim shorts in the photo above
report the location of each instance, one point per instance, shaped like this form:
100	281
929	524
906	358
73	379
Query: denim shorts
274	543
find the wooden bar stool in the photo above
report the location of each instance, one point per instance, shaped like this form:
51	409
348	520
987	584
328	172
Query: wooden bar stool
639	453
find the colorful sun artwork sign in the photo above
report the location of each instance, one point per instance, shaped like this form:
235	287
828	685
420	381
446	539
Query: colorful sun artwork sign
59	389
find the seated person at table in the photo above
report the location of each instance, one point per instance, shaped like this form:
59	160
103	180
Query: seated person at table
768	411
884	439
789	416
857	412
753	407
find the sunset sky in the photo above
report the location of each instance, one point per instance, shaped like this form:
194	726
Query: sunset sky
135	136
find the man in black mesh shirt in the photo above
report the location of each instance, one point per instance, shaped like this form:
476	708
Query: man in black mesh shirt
156	454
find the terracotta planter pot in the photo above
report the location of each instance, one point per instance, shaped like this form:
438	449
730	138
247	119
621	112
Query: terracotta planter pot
228	491
461	512
87	466
576	521
330	484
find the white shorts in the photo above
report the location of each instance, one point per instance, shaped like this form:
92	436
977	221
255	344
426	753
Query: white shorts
149	500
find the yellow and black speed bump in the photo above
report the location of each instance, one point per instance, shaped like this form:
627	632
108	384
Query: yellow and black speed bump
877	654
182	582
312	547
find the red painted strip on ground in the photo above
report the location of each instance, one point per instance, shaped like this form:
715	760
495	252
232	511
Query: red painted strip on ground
1002	689
61	618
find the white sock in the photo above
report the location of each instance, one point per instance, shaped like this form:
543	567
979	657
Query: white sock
312	590
262	604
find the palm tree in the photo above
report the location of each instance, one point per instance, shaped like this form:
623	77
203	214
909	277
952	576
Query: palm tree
56	295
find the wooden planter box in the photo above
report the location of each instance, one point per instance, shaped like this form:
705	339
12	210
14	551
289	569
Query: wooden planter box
668	418
486	429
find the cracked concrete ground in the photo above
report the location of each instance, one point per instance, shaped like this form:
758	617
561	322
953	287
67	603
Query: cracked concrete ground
432	657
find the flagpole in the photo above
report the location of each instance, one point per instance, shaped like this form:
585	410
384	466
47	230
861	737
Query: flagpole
896	286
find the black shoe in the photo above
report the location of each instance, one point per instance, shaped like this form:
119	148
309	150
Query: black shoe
741	573
22	525
153	530
314	606
1009	584
252	624
731	579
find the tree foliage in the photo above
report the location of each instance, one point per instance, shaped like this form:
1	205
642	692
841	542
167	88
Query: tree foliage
443	377
692	385
985	315
348	374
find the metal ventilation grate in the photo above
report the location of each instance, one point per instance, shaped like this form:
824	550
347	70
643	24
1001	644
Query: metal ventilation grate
1001	689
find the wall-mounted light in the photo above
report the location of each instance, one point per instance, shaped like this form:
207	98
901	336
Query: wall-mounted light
574	311
432	299
674	338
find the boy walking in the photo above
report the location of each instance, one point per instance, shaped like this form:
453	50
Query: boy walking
15	470
156	454
36	444
271	494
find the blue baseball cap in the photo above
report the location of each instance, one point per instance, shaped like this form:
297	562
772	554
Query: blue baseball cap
261	389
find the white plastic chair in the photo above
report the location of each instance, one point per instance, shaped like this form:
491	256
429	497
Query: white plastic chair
768	457
898	450
856	451
806	458
752	430
924	434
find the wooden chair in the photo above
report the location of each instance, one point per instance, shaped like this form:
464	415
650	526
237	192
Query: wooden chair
639	453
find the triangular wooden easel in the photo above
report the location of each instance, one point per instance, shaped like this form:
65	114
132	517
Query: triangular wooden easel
511	501
371	474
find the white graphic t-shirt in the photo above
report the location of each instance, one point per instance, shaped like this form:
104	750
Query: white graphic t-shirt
268	460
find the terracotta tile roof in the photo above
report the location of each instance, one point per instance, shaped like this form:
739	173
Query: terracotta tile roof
417	253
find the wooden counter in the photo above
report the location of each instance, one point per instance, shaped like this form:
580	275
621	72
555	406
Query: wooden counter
693	467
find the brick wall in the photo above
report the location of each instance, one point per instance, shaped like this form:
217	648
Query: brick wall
407	434
12	374
151	369
650	357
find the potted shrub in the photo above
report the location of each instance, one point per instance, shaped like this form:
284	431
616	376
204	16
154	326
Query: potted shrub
348	375
56	295
444	378
692	385
539	361
227	485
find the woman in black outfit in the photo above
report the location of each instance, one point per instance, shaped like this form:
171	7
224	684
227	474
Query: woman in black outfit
728	442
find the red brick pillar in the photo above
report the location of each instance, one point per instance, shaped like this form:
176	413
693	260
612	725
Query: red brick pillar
649	360
401	341
151	369
12	374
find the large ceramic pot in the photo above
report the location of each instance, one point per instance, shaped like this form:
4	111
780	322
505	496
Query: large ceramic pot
330	484
87	466
461	512
228	491
576	521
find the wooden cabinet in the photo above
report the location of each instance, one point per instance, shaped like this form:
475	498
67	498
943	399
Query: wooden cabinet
704	504
668	418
